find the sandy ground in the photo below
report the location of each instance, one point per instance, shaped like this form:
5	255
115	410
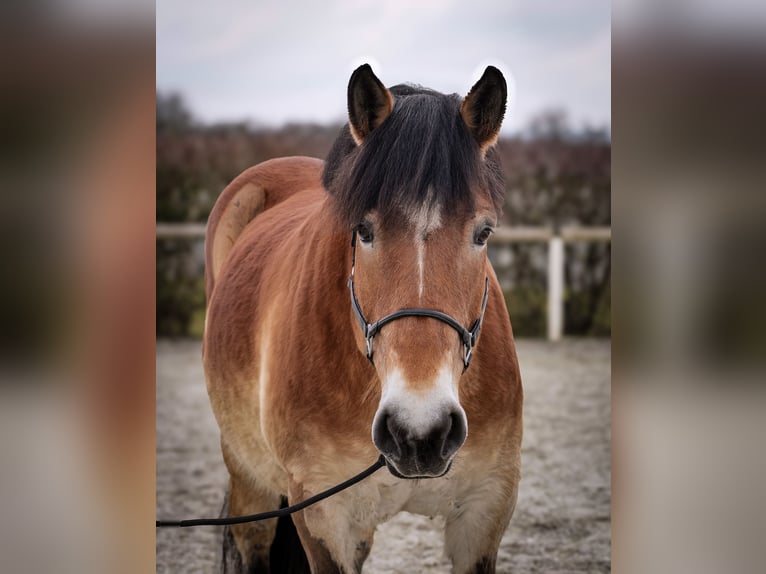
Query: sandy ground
562	520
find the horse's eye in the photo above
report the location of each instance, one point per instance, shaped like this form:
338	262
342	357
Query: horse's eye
364	230
482	235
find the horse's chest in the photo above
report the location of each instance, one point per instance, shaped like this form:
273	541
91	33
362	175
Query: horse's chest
427	497
432	499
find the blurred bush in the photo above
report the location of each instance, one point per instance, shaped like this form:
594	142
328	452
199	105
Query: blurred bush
527	307
555	176
180	287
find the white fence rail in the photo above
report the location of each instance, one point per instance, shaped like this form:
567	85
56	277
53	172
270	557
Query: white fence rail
180	231
502	235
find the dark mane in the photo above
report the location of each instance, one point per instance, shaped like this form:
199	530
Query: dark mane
422	154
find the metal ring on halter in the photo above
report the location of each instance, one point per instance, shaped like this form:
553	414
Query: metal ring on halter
467	355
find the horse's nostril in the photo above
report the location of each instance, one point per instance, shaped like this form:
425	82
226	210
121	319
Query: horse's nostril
456	434
384	435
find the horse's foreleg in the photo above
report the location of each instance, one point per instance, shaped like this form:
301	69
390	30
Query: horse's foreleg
332	544
246	547
474	530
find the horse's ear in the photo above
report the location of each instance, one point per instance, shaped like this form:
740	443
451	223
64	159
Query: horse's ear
484	107
369	103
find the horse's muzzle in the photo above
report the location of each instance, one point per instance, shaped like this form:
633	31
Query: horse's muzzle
419	455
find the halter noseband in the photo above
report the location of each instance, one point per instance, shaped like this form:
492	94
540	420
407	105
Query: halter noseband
467	336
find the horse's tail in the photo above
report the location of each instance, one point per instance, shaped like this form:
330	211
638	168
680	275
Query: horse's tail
252	192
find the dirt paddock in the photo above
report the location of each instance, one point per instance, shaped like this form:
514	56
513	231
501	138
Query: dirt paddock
562	521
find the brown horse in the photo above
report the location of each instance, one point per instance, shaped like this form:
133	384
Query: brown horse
306	392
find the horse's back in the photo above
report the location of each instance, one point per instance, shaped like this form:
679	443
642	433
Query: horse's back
254	191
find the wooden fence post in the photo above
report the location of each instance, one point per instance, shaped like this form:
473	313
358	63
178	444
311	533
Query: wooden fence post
555	288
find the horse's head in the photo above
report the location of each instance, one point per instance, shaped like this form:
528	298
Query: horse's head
413	174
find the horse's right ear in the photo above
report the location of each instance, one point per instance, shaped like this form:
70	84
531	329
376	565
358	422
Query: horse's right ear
369	103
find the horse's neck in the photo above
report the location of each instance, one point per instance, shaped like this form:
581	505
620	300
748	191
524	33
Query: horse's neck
323	307
327	265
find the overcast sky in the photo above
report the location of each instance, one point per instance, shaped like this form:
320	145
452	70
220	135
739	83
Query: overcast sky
276	61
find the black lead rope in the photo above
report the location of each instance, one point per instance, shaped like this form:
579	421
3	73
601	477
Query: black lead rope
380	463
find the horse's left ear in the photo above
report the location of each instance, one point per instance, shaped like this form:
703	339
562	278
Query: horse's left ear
369	103
484	107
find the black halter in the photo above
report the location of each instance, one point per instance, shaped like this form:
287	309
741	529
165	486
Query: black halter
467	336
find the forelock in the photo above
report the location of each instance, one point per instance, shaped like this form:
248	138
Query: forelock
422	155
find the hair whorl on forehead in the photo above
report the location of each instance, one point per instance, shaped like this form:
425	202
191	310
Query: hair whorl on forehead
421	155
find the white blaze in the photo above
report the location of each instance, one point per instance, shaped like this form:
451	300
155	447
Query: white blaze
425	220
420	410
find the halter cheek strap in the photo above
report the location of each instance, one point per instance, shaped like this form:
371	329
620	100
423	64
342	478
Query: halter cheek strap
468	337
